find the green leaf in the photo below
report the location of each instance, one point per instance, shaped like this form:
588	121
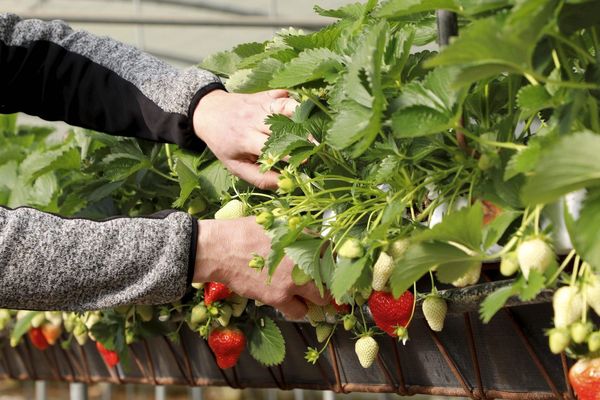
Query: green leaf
570	164
22	325
266	343
352	123
419	259
532	99
214	180
530	288
187	176
8	124
254	80
310	65
350	11
585	230
493	231
463	226
501	43
399	8
449	272
494	302
429	106
346	275
325	38
524	160
222	63
307	254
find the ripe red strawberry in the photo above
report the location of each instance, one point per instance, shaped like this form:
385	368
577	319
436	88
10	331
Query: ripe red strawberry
36	336
111	358
341	309
490	211
51	332
227	344
585	379
215	291
390	313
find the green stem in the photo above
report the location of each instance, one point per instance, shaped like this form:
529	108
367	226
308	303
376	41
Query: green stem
157	172
563	265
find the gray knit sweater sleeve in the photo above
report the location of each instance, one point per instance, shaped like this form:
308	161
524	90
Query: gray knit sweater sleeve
57	73
52	263
48	262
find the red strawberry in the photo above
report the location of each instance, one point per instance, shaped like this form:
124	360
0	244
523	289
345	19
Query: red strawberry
36	336
51	332
390	313
215	291
227	344
341	309
585	379
111	358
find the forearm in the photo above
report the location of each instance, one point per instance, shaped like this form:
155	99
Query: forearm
56	73
52	263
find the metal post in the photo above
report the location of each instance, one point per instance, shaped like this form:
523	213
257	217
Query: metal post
447	25
106	391
160	393
328	395
78	391
271	394
298	394
196	393
41	392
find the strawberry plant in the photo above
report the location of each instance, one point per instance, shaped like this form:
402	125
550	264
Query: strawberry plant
400	163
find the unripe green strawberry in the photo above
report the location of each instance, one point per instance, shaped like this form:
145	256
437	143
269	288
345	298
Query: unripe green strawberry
349	322
398	248
238	304
130	336
580	331
323	331
198	285
285	185
233	209
38	320
592	293
351	248
145	312
315	314
366	348
203	331
91	318
4	318
470	277
196	206
225	314
558	339
14	342
568	306
509	264
534	254
299	276
199	314
594	342
257	262
434	309
69	322
80	328
265	219
164	314
485	162
382	270
294	222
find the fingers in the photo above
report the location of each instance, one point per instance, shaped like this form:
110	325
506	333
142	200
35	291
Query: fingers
283	105
255	142
274	94
294	308
311	293
250	172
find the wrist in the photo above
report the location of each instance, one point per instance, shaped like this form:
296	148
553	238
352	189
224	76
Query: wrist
205	267
208	104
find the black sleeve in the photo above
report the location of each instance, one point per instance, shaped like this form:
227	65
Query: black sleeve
51	71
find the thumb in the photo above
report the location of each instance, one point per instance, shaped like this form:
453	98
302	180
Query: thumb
250	172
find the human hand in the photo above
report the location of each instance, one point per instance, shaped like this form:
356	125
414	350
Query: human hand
233	127
223	251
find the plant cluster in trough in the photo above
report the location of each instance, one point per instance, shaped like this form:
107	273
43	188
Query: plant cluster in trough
401	165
